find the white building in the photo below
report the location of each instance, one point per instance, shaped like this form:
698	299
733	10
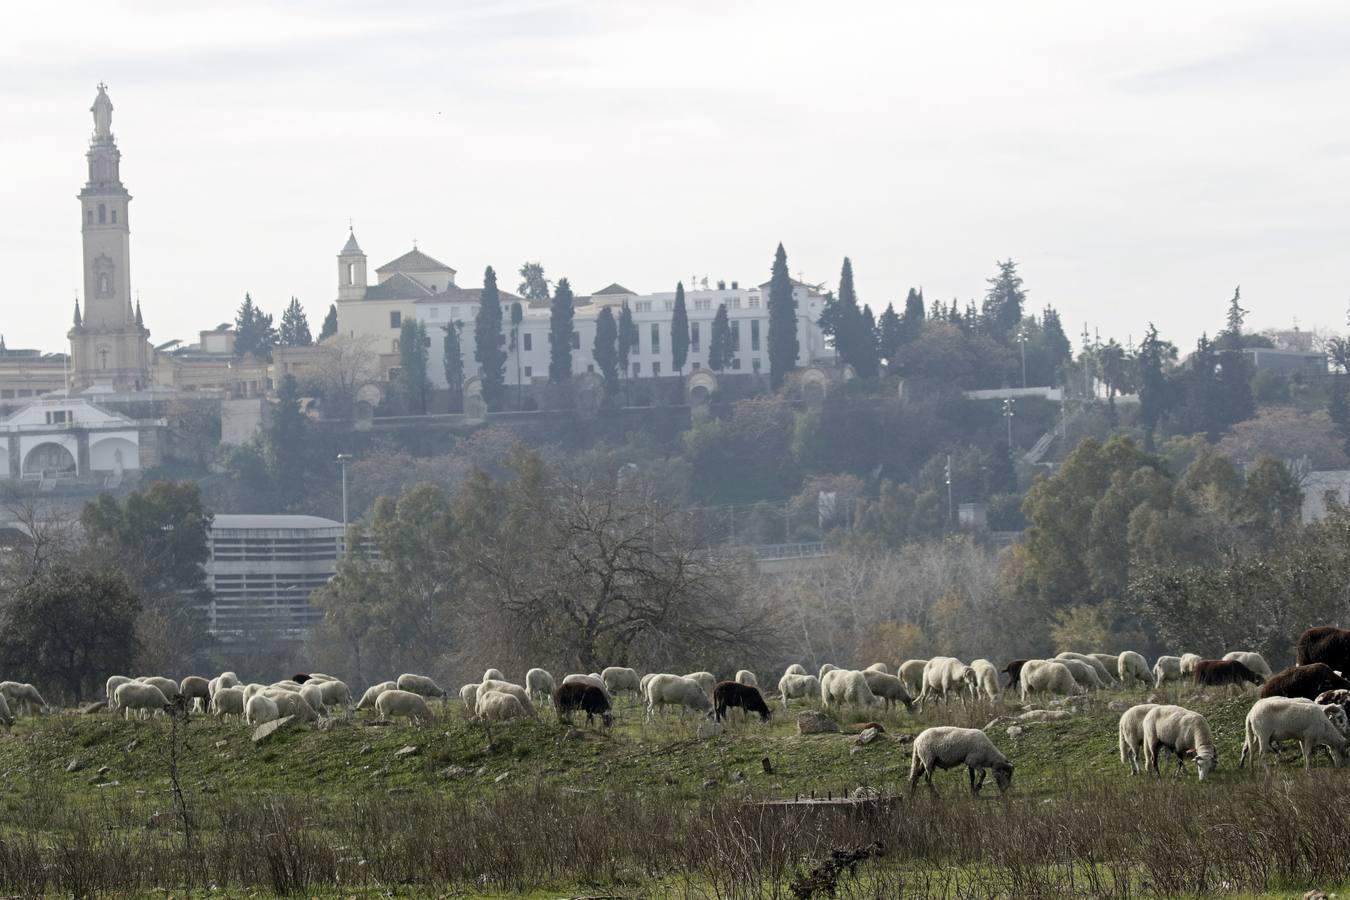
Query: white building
262	570
56	438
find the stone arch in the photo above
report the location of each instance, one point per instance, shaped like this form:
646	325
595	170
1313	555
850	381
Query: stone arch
700	387
50	458
114	454
814	384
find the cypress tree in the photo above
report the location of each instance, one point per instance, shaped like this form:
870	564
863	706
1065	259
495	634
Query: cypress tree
453	362
1003	303
720	352
488	339
329	323
253	331
1053	338
287	443
912	320
412	354
679	331
628	337
606	350
890	334
866	363
783	346
294	331
560	333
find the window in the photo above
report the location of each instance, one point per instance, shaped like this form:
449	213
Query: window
754	334
590	367
736	363
697	366
754	303
89	216
576	341
396	319
435	312
656	368
526	342
656	338
637	370
394	342
58	417
114	215
529	372
734	303
754	364
703	305
642	306
735	334
670	304
102	214
351	273
693	337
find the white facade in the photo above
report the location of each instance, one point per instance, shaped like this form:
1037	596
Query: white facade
70	437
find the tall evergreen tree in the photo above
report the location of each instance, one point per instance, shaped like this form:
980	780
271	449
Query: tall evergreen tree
1003	303
606	350
294	331
488	340
890	334
560	333
1053	339
628	338
253	331
413	358
288	444
679	331
1236	402
329	323
911	322
720	351
783	346
865	356
1231	339
1154	396
517	317
453	361
533	284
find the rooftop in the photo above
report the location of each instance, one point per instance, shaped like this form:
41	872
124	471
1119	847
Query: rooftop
415	261
250	522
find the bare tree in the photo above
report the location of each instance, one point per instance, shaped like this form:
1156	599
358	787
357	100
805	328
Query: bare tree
346	363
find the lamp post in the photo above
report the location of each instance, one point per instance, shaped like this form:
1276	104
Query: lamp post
947	476
343	459
1008	414
1022	339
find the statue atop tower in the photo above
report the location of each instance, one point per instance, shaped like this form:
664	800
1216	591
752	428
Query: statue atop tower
102	110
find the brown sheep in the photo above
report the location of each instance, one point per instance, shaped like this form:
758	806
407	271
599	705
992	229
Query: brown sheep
1014	672
1305	681
1324	644
1216	672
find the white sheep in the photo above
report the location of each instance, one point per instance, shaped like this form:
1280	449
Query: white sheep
21	693
1280	718
336	693
408	704
167	686
1104	678
1165	669
592	680
947	747
291	703
1131	734
138	696
468	695
706	680
420	685
540	685
6	717
251	689
674	690
1046	676
797	686
944	675
1133	668
986	679
825	668
1110	662
1188	661
492	675
888	688
286	684
373	693
1182	731
795	669
113	683
196	689
260	709
319	677
228	701
843	687
879	667
223	680
911	673
496	706
621	678
313	696
1084	674
745	676
515	690
1254	661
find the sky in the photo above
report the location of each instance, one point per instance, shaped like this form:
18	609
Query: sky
1137	160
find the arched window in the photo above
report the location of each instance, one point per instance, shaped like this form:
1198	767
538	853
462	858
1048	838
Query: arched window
114	215
102	214
351	273
89	217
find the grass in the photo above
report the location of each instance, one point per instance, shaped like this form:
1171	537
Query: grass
647	809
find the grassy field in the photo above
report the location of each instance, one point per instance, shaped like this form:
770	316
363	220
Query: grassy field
646	810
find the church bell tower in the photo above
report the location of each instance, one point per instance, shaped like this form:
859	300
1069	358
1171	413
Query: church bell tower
108	344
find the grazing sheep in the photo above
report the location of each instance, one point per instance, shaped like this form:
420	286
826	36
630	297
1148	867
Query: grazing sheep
745	696
373	693
1306	681
6	717
1338	698
468	695
944	675
499	706
286	684
540	685
674	690
911	673
986	679
888	688
1110	662
1104	678
586	697
1132	734
795	686
408	704
824	668
745	676
1046	676
1165	669
1324	644
879	667
1133	668
643	682
223	680
593	680
21	694
420	685
795	669
1222	673
1188	661
706	680
313	696
1182	731
228	701
492	675
167	686
196	689
1014	672
251	689
1279	718
621	678
842	687
1254	661
114	682
138	696
261	709
1085	675
515	690
946	747
336	693
291	703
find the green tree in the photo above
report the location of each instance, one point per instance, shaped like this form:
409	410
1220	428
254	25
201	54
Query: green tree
628	338
911	321
679	331
517	316
453	360
533	284
253	331
1056	343
330	324
288	445
294	331
1271	499
890	335
866	362
783	347
1155	396
720	352
560	334
488	339
413	359
1002	312
605	350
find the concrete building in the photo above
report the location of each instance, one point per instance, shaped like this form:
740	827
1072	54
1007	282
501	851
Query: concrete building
262	571
70	439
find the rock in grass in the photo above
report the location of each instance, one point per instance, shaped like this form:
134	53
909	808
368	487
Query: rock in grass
1045	715
1015	731
409	750
709	729
74	765
813	722
267	729
867	736
90	708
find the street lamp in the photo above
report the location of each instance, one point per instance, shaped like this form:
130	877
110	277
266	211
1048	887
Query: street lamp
342	460
1008	414
1022	339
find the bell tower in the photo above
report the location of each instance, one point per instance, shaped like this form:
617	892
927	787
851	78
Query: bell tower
109	344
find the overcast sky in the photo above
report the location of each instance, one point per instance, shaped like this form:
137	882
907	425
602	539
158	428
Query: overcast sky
1138	160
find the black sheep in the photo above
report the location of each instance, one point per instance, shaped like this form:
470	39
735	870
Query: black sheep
569	698
1324	644
1215	672
1303	681
747	697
